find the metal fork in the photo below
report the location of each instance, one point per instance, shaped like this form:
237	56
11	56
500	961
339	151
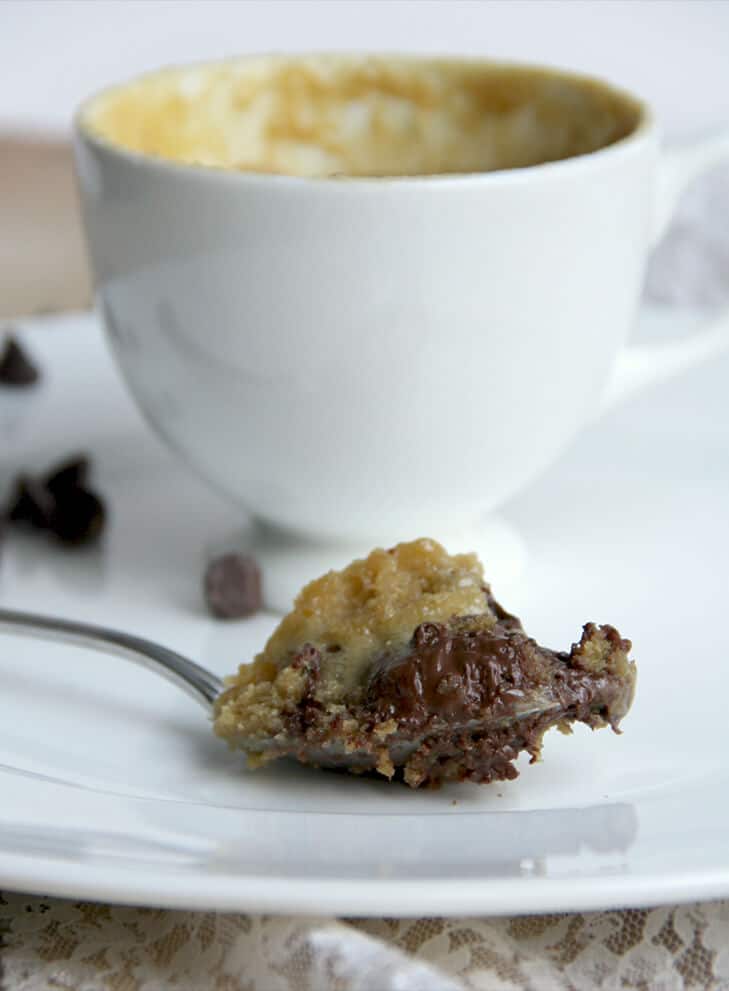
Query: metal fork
197	681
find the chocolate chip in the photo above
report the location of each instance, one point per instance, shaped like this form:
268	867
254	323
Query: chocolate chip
16	368
30	503
72	473
59	502
78	515
232	586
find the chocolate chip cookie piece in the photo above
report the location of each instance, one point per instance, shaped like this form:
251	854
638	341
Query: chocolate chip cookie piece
405	664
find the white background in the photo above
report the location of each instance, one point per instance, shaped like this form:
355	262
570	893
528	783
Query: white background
53	52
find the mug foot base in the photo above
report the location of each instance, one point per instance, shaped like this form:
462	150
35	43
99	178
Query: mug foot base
288	561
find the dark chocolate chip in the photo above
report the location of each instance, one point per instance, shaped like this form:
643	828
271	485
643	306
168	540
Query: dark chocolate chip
78	515
232	586
59	502
71	473
31	503
16	368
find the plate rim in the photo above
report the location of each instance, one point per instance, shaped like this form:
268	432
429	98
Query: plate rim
346	897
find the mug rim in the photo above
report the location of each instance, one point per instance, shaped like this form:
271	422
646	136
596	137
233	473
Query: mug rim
643	131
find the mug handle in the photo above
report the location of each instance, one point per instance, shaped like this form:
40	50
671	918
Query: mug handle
638	366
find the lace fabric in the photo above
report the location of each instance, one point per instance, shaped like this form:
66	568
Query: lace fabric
77	946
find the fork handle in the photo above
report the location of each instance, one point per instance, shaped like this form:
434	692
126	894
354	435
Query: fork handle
198	682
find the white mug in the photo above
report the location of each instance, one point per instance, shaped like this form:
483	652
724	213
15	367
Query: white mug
358	360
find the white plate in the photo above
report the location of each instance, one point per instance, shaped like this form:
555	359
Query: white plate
114	788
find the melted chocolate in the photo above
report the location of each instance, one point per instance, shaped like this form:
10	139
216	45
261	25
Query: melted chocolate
453	675
457	675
